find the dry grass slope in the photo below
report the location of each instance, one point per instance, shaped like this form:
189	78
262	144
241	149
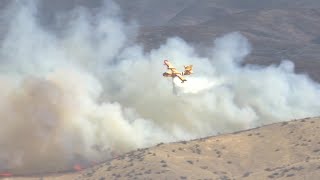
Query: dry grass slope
287	150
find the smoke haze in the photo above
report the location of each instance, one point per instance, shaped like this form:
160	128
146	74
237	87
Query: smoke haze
86	92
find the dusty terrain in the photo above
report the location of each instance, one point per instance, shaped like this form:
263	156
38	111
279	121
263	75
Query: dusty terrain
287	150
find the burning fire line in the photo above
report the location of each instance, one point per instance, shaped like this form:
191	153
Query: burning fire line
77	167
5	174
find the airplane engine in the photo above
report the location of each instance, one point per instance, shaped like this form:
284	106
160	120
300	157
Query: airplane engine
166	74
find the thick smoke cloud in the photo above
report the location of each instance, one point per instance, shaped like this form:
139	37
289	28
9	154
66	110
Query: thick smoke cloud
86	92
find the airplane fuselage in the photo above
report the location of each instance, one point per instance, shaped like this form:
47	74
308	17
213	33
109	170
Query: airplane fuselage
173	72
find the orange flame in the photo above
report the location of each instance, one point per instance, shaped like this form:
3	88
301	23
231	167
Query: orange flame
77	167
5	174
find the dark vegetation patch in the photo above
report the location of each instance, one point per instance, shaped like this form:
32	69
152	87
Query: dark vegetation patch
316	150
290	175
224	178
148	171
183	142
246	174
190	162
159	144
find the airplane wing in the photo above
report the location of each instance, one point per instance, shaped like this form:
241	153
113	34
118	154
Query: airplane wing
175	71
181	78
168	64
169	72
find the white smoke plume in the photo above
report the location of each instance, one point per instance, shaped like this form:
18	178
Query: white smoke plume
87	92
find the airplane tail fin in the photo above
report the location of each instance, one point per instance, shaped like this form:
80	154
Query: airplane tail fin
188	70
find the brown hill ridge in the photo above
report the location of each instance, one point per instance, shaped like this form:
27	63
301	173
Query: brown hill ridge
287	150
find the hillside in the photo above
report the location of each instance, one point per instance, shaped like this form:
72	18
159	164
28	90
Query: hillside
277	151
278	30
105	107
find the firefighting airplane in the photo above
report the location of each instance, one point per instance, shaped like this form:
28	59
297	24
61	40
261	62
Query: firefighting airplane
173	72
